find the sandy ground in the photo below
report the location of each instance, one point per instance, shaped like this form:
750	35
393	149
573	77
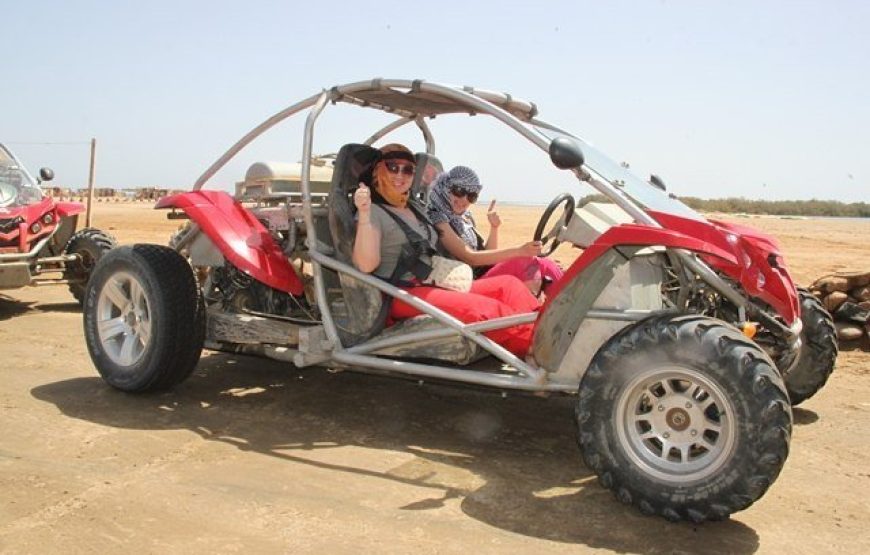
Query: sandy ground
251	455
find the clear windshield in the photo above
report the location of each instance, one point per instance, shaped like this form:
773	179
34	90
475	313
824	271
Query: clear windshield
17	187
619	175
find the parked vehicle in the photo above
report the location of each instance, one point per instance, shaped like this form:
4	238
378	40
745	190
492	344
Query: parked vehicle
668	328
39	244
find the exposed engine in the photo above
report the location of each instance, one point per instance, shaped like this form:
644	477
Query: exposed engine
686	292
239	292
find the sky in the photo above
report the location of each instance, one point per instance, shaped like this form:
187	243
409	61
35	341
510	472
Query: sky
747	99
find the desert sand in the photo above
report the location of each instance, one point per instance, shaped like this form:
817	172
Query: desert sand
251	455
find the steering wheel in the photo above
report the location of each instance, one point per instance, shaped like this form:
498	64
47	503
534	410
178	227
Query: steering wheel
553	232
8	193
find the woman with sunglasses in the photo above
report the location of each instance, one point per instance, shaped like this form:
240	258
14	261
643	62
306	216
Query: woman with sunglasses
384	196
452	194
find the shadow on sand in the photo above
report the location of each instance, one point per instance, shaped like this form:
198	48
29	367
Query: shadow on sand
521	448
10	308
802	416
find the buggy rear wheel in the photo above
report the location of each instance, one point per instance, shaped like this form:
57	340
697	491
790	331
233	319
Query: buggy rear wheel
90	245
818	353
144	318
684	417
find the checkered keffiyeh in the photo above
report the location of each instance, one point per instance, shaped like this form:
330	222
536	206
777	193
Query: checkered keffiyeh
439	209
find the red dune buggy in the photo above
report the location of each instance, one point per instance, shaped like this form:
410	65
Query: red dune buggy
674	332
39	244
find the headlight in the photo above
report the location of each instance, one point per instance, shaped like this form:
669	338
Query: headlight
35	228
760	281
48	218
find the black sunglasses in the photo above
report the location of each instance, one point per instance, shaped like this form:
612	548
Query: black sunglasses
459	192
394	168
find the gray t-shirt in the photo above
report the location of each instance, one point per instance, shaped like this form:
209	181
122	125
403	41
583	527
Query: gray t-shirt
393	239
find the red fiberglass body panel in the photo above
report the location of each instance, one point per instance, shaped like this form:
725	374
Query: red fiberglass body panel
65	209
18	236
759	266
239	236
636	235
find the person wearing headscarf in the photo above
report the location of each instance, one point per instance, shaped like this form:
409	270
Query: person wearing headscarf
450	198
380	241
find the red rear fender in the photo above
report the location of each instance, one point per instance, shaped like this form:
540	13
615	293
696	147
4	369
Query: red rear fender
239	236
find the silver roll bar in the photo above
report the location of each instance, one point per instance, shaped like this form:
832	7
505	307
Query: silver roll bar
250	136
387	130
311	240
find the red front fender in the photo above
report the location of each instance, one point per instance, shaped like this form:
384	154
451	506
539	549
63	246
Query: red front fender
636	235
239	236
65	209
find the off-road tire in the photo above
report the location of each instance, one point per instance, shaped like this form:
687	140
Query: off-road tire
90	244
171	304
743	460
818	353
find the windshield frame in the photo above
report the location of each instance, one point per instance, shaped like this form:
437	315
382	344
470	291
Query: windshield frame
28	188
619	177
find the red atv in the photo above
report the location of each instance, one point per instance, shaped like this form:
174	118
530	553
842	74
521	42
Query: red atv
38	241
674	332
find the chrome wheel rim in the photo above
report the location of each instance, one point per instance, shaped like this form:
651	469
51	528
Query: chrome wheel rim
676	424
123	319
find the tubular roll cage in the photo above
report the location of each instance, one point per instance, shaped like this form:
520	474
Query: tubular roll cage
390	95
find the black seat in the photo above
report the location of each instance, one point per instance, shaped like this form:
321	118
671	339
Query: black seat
355	305
351	162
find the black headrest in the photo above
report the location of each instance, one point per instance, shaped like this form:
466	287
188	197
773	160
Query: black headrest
428	168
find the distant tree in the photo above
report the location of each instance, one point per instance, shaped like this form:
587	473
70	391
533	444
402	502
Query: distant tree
731	205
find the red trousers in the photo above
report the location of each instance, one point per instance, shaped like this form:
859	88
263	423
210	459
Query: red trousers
489	298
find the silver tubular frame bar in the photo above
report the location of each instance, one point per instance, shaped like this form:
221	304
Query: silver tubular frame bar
533	376
251	135
387	130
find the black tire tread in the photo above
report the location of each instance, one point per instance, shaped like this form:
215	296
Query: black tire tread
91	238
182	324
756	375
818	354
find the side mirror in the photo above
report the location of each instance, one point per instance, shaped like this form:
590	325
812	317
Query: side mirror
565	153
45	174
657	181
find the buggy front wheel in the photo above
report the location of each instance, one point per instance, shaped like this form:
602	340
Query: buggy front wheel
818	352
684	418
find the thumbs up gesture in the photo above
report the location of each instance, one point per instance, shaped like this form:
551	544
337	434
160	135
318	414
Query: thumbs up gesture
362	199
492	215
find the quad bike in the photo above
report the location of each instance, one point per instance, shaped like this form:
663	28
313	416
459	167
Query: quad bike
673	331
39	244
